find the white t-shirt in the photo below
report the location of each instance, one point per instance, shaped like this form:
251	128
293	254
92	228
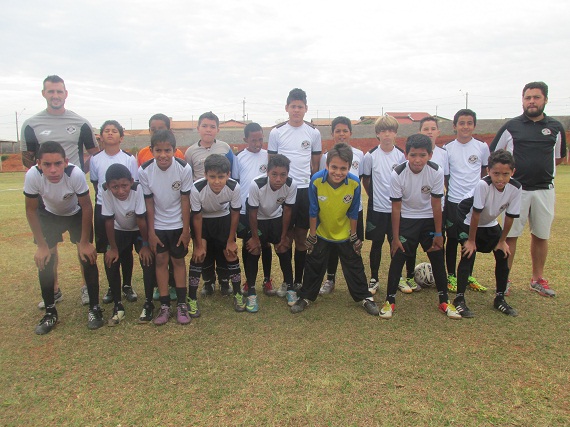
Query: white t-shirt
212	205
248	166
356	168
379	165
465	163
124	212
101	161
268	202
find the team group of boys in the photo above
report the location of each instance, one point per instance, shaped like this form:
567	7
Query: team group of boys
284	195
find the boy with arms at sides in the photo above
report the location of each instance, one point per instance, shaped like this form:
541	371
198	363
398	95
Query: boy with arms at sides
416	192
269	206
66	207
300	142
479	230
467	159
377	168
341	129
196	154
335	198
111	135
248	165
166	183
124	212
216	203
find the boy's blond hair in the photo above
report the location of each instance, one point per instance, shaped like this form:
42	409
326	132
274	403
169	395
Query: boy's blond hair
385	123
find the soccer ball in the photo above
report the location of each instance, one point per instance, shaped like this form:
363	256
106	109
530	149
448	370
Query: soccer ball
423	275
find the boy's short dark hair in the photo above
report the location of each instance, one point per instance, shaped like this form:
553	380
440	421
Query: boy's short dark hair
418	141
53	79
341	150
341	120
429	119
536	85
297	95
50	147
162	117
501	156
117	171
113	123
278	160
217	163
163	135
210	116
465	112
251	127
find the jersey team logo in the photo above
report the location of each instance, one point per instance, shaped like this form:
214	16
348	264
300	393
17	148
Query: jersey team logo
71	129
130	214
280	200
546	131
473	159
305	145
355	165
322	198
45	132
426	189
347	199
68	196
176	185
503	207
263	168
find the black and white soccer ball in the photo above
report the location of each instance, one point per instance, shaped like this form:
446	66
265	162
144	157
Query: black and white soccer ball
423	275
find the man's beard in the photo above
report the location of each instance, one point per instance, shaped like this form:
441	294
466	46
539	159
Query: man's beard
535	113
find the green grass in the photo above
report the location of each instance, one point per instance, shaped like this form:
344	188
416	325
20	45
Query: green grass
329	366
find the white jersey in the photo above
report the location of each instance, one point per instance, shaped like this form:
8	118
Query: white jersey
211	205
165	187
101	161
379	165
248	166
298	144
415	190
356	168
59	198
465	163
269	203
124	212
490	202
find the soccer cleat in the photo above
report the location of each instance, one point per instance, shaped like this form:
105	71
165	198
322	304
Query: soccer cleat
327	288
541	287
130	294
452	283
95	318
373	286
47	323
251	305
208	289
146	314
387	310
239	304
58	297
475	285
299	305
371	307
503	307
182	315
163	315
118	315
108	298
282	291
508	288
449	310
404	287
268	288
193	309
156	294
172	293
413	285
226	290
291	298
462	309
297	286
84	295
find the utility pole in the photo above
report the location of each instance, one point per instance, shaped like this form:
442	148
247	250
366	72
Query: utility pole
243	116
17	129
466	98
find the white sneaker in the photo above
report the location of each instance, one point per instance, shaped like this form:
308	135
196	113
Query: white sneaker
84	295
58	297
373	286
327	288
282	291
404	287
387	310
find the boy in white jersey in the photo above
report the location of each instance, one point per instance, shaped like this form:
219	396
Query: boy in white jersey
416	191
112	136
341	129
467	159
479	230
124	212
66	207
269	207
377	169
166	183
216	203
300	142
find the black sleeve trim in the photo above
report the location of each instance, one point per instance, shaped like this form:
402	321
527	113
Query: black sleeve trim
31	196
436	196
83	194
512	215
396	199
148	196
478	210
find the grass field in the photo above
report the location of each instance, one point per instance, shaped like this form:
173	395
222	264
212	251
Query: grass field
332	365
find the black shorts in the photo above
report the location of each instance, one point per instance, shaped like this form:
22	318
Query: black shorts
53	226
300	214
101	241
127	239
451	220
269	230
243	231
416	231
486	238
378	225
216	230
169	239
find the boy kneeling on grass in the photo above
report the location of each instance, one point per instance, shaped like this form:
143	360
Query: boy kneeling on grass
66	207
334	197
479	230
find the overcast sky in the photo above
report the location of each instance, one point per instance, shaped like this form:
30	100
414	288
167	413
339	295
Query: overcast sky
127	60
